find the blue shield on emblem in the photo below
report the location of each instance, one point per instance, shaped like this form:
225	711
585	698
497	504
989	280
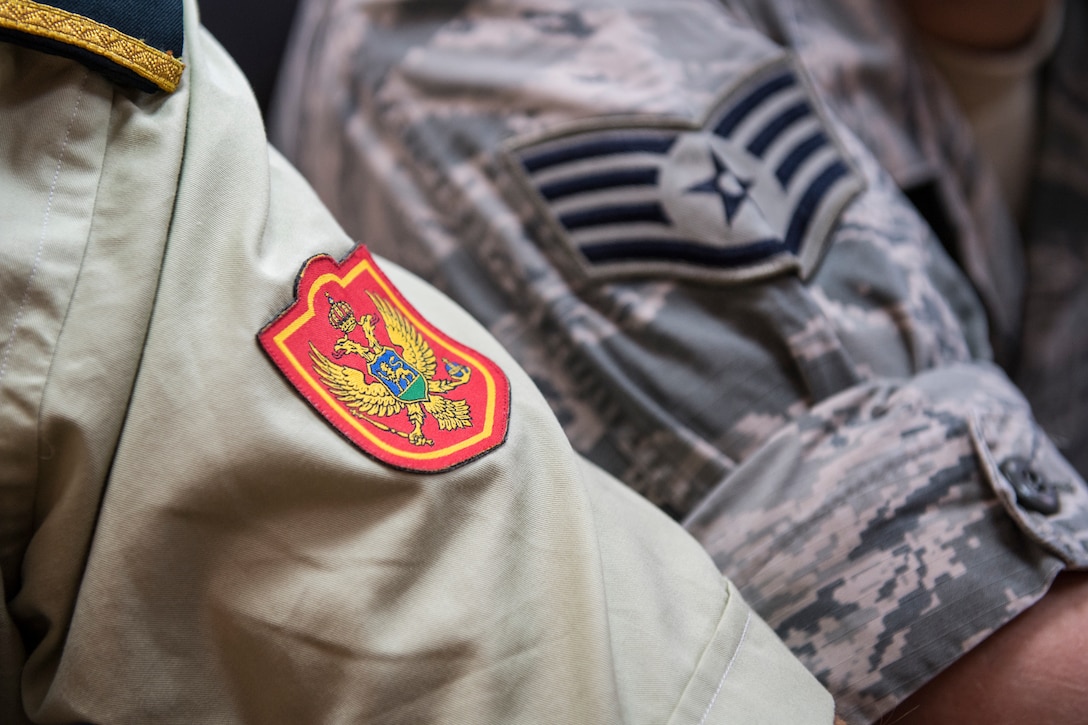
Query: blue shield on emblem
403	380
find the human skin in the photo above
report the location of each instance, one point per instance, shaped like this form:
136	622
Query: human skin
977	24
1032	670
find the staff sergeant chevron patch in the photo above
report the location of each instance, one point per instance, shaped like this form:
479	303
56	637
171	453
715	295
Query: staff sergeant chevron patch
751	192
385	377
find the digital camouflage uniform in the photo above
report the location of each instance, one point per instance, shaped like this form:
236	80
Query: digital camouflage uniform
704	250
183	536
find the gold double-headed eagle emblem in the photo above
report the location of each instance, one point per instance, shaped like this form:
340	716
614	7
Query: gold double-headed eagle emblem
402	380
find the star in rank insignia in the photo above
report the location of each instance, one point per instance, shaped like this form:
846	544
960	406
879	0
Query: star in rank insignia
387	379
753	190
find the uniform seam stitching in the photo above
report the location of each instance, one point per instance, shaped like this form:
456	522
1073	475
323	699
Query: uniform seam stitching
44	230
728	668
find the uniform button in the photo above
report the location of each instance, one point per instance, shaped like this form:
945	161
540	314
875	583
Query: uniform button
1032	491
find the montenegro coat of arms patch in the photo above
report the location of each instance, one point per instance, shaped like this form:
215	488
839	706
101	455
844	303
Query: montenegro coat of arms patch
387	379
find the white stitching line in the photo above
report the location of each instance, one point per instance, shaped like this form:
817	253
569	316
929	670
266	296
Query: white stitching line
41	238
728	668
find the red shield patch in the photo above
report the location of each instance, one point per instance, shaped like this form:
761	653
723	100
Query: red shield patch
381	374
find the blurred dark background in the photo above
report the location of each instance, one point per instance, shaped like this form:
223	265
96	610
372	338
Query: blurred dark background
255	33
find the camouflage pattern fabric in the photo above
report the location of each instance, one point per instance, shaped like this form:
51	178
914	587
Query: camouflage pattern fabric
1031	279
836	436
1053	365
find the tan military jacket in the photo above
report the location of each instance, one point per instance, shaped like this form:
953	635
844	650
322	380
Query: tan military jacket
183	539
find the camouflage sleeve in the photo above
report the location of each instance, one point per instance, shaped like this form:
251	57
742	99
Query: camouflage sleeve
723	294
1029	273
1053	371
903	521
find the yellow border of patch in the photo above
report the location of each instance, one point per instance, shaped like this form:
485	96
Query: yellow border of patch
159	67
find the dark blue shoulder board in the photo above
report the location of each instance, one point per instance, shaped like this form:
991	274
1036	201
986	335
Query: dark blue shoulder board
133	42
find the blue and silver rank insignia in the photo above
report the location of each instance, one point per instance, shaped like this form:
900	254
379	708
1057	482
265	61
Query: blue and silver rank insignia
753	191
